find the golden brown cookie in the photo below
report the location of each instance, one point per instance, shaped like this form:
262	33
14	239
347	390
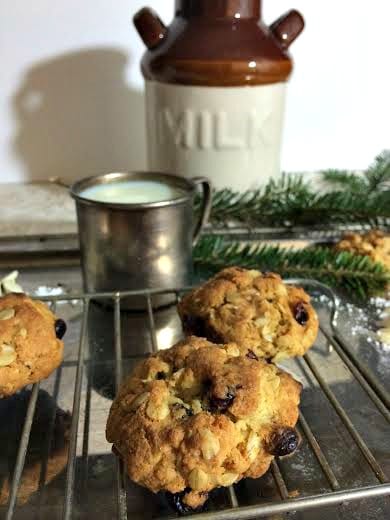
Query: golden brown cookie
374	244
29	347
200	416
257	311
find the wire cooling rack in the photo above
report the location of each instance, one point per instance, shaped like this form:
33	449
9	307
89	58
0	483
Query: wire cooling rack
360	477
232	230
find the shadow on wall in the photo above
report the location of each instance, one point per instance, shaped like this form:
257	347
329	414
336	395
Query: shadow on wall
78	117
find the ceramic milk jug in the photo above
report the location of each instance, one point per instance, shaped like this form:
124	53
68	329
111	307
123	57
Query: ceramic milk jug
215	89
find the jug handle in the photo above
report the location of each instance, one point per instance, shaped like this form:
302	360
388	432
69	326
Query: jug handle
288	27
149	26
205	209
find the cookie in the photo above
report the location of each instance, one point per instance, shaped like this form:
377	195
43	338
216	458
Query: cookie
200	416
49	420
255	310
374	244
30	342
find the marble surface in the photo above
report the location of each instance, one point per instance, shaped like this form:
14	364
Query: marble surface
36	209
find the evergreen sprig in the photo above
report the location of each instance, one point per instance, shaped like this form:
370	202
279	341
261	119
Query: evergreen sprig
378	175
354	198
375	178
357	275
345	180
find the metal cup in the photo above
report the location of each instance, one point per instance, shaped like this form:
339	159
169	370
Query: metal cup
139	246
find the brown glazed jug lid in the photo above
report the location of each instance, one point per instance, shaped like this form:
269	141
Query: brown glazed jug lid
217	43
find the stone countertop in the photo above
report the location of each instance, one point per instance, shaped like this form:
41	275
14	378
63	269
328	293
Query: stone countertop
37	209
40	209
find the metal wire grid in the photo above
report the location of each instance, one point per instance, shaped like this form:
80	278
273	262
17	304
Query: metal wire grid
234	230
375	391
314	233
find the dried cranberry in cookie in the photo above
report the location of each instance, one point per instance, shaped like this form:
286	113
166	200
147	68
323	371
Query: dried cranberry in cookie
60	327
300	314
284	442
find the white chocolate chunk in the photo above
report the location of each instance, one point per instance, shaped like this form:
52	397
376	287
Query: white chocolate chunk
253	446
7	355
7	313
198	479
8	284
209	445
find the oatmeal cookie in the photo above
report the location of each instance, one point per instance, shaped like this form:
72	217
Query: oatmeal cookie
374	244
257	311
30	342
199	416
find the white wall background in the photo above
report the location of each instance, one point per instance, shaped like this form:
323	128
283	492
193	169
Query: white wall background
71	93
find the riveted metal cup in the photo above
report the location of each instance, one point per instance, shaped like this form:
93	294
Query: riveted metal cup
142	245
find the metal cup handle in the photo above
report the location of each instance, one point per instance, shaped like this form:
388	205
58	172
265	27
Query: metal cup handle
205	207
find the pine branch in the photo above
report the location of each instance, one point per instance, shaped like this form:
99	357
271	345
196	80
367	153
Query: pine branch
346	180
278	199
357	275
291	200
350	207
373	179
293	204
378	175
